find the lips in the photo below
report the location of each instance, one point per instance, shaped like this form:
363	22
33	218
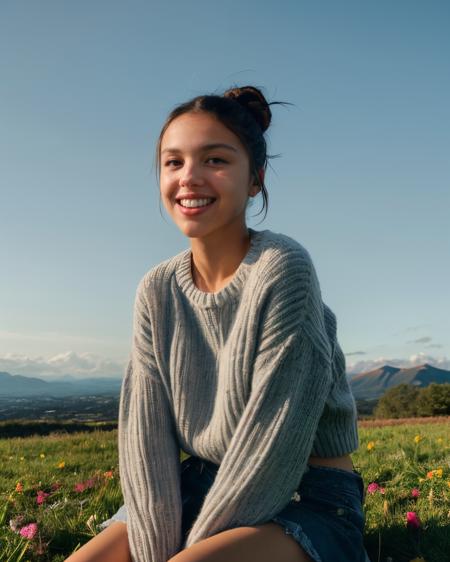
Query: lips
192	211
194	196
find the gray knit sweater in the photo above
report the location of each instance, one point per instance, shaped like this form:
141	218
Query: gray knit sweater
251	377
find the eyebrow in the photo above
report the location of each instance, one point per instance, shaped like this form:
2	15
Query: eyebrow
204	147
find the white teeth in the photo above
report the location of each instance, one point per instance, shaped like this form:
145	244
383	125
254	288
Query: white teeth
195	202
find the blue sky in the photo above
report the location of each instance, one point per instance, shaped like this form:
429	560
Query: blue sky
362	180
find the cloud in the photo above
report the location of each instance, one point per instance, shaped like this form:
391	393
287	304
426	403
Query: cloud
437	345
79	365
355	353
424	339
411	361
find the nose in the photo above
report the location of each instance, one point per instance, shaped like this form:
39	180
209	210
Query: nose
190	175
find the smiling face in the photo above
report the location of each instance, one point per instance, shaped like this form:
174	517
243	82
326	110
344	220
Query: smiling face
201	158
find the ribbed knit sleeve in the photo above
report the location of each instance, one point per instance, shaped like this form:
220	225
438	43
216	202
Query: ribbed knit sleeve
268	452
149	454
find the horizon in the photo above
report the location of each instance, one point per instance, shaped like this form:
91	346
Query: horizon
71	377
362	181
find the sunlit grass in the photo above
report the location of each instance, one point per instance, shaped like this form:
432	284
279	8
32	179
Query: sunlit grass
56	490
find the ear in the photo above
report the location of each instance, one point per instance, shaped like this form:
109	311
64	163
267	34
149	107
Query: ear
256	186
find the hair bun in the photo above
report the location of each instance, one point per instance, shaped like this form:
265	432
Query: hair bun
254	101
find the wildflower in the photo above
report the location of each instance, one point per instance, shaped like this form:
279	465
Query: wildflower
89	483
382	490
62	464
29	530
19	487
22	458
80	487
41	496
412	520
421	480
370	445
42	455
436	472
417	439
108	474
15	523
439	440
448	483
372	487
415	492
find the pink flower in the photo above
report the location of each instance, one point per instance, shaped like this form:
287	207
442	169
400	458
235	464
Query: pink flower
40	498
372	487
79	487
412	520
90	483
29	530
382	490
415	492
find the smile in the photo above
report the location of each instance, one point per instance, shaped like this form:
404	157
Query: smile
191	207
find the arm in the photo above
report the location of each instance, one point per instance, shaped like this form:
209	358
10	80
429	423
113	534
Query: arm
269	450
149	454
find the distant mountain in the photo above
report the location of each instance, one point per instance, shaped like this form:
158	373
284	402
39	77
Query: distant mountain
19	386
374	384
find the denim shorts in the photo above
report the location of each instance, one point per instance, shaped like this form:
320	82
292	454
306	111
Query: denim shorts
325	514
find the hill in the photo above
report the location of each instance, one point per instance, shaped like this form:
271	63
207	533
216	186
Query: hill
21	386
374	384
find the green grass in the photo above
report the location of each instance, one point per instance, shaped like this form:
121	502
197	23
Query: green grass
68	518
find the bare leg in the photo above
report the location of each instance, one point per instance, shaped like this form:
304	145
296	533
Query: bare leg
111	545
260	543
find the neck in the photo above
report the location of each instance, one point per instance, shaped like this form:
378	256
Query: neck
215	260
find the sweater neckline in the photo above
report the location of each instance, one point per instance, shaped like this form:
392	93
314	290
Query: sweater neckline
232	290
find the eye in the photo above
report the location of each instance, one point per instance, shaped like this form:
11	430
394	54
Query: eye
172	162
216	160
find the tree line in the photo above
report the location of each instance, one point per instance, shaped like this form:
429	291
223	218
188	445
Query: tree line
405	400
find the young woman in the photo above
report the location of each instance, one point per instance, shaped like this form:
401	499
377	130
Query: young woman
234	360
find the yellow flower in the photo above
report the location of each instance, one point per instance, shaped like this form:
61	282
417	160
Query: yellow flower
62	464
439	440
22	458
42	455
438	472
370	445
421	480
418	439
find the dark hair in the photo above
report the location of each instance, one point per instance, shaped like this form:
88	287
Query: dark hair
244	111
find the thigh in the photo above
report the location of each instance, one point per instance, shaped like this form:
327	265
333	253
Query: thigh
111	545
259	543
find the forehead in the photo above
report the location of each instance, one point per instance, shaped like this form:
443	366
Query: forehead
191	130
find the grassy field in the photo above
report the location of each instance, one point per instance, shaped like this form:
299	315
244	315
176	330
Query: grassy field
56	489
